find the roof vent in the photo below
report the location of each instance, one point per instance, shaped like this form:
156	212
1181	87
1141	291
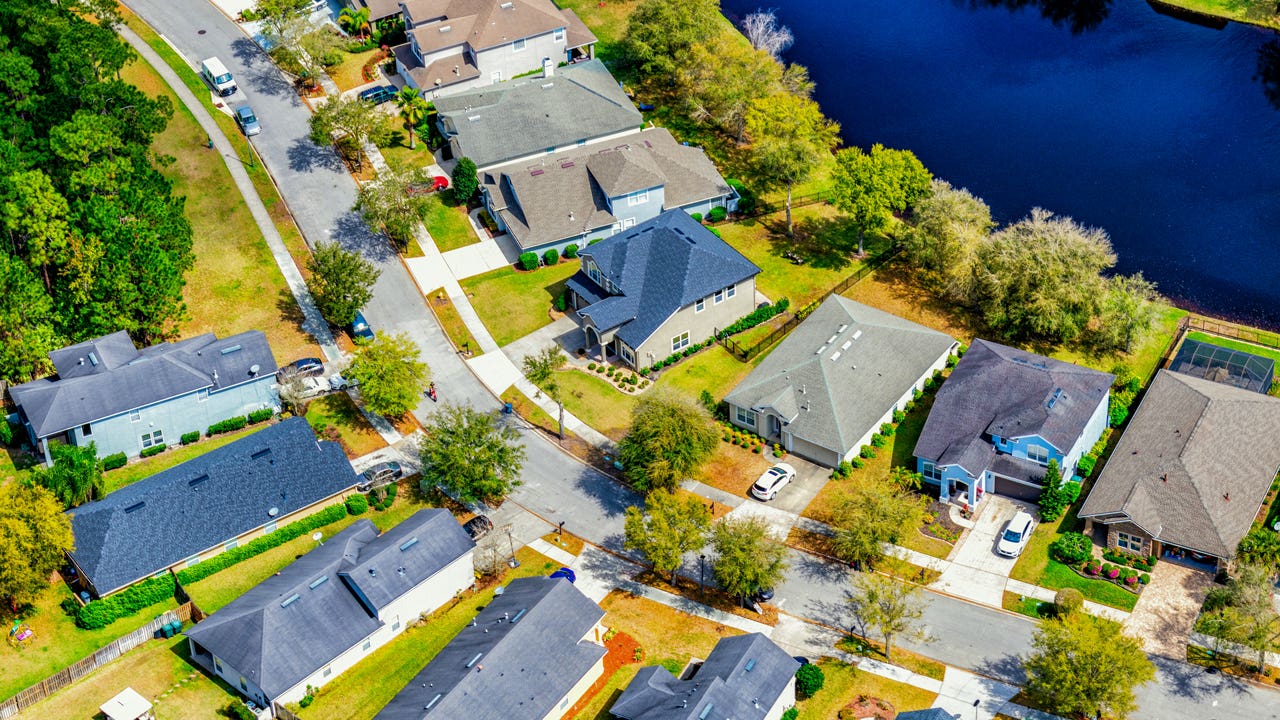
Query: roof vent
835	356
445	28
318	582
536	172
519	615
136	506
373	572
433	702
254	369
706	712
472	118
194	482
857	335
821	349
566	164
475	659
843	328
846	344
408	544
289	600
400	570
229	350
93	359
507	5
751	665
263	453
273	512
832	338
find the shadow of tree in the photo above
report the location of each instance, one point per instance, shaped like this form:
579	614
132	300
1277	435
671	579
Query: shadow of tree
306	156
1079	15
1268	74
823	242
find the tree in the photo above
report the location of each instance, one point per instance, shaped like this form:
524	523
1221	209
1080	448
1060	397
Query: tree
75	477
871	187
349	123
1129	309
1082	664
749	557
306	48
276	14
669	527
464	181
354	20
1058	493
763	31
391	202
1254	621
470	454
341	282
948	225
27	332
660	32
541	368
390	374
34	532
891	608
789	135
670	437
1260	547
720	78
809	680
873	513
413	109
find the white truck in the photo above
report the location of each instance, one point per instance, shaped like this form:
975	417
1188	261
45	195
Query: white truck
218	77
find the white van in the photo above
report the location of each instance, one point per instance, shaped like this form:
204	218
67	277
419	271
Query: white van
217	75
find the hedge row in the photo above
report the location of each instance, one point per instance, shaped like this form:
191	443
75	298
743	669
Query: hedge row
112	462
676	357
228	425
188	438
153	450
331	514
261	415
101	613
757	316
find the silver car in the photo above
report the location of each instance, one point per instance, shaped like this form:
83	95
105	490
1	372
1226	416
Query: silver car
247	121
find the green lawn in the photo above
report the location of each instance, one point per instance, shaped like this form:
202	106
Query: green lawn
596	402
1246	11
713	370
1036	567
448	224
1220	341
1031	607
844	684
176	454
451	321
398	155
513	303
339	412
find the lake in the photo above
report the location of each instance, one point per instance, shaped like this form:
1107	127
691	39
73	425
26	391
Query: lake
1154	128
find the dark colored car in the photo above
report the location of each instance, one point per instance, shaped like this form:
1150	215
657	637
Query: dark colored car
378	95
304	367
360	329
381	474
478	526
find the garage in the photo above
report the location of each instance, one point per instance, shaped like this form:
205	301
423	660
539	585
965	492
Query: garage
1015	489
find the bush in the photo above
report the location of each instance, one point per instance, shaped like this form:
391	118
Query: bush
188	438
791	714
867	452
103	612
528	261
593	241
716	232
153	450
331	514
6	433
562	301
857	463
237	710
717	214
357	505
1085	466
1067	601
1072	548
697	217
551	257
887	429
571	251
952	360
262	415
228	425
591	366
1144	578
879	440
809	680
116	460
899	416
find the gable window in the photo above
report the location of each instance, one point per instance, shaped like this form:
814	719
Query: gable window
1036	453
518	45
628	222
85	430
680	341
719	296
700	305
217	664
135	415
930	471
327	671
593	272
746	416
367	644
731	291
1125	541
152	439
557	35
202	394
638	198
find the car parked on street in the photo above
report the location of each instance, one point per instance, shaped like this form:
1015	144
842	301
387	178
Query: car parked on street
478	526
379	94
384	473
360	330
1016	534
773	480
304	367
247	121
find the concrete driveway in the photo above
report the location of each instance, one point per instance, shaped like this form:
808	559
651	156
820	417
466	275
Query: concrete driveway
801	491
977	572
1167	609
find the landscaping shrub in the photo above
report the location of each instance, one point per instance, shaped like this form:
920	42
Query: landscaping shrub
1072	548
717	214
593	241
237	710
755	317
571	251
887	429
103	612
952	360
6	433
899	416
188	438
331	514
879	440
809	680
228	425
551	257
716	232
696	216
562	301
1067	601
153	450
262	415
1085	466
600	368
791	714
529	261
357	505
856	464
591	366
1144	578
388	499
867	452
115	460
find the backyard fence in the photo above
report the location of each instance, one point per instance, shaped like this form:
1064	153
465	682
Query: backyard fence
283	713
112	650
1231	330
766	208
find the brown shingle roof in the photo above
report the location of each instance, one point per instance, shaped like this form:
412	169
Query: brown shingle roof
482	23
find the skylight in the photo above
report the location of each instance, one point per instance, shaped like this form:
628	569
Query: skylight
519	615
706	712
229	350
475	659
289	600
408	544
318	582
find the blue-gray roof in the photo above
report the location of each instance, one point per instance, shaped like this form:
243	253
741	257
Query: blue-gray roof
930	714
299	620
107	376
742	678
658	267
523	654
156	522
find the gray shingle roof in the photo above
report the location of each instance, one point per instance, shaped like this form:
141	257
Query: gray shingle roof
107	376
742	678
1000	390
277	643
502	122
660	266
566	194
156	522
840	371
930	714
520	656
485	23
1194	464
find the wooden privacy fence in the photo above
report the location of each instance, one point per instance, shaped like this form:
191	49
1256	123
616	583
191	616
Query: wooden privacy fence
283	713
112	650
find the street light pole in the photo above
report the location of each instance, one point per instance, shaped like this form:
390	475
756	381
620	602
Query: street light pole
702	565
512	544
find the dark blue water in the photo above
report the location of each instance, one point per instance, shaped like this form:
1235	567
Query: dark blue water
1153	128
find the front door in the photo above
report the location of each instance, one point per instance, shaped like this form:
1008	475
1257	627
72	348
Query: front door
774	425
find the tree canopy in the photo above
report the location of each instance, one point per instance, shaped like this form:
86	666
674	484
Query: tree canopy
660	32
949	224
891	608
670	437
749	557
391	376
541	370
75	477
669	526
349	123
788	136
875	512
1082	664
33	533
470	454
870	187
341	282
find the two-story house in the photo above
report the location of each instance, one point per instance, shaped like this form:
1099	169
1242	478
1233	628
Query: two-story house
122	399
659	287
576	196
1002	415
455	45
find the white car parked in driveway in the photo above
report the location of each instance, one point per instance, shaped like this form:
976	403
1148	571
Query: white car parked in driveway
773	480
1015	535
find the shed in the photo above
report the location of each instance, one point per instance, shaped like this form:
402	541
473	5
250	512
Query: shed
128	705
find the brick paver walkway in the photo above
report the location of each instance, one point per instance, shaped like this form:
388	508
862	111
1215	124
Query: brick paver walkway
1167	609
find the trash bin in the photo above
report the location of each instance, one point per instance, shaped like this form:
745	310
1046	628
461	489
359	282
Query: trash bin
167	630
506	408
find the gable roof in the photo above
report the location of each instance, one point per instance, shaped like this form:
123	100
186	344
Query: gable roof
1194	464
840	371
107	376
742	678
930	714
659	266
500	123
299	620
520	656
999	390
566	194
174	514
483	23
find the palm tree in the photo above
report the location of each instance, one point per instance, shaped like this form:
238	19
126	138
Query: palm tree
356	21
413	109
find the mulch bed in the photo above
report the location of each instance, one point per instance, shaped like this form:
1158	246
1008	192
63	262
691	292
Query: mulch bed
942	516
619	650
868	707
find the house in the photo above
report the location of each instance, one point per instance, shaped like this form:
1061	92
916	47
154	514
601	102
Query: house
333	606
379	9
530	654
122	399
527	119
211	503
746	677
1224	365
455	45
826	389
930	714
1002	415
1190	472
655	289
575	196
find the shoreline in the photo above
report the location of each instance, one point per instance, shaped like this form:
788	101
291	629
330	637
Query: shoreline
1212	12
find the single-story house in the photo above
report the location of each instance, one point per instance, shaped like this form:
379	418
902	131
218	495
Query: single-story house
122	399
746	677
529	118
332	607
1224	365
1002	415
206	505
575	196
655	289
530	654
1190	472
456	45
829	386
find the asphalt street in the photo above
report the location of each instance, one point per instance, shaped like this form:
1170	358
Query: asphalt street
321	194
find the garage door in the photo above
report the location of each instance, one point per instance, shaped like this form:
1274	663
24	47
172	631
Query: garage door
1014	489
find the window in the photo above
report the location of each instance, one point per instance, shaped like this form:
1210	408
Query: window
193	560
719	296
628	222
152	438
1035	453
367	644
1125	541
930	471
269	528
731	291
638	198
395	626
495	77
746	416
244	685
557	35
593	272
85	430
518	45
700	305
135	415
627	355
217	664
202	394
680	342
327	672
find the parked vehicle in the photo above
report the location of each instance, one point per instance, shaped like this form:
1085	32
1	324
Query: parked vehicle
479	526
247	121
360	329
1016	534
378	95
773	480
306	367
384	473
218	77
338	382
308	387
